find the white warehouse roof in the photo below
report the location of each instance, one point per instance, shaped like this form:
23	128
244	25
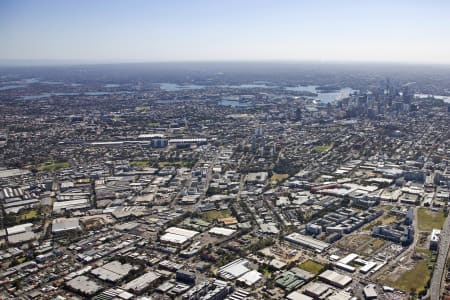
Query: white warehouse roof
250	278
184	232
174	238
222	231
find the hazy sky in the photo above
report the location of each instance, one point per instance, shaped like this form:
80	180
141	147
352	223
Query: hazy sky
171	30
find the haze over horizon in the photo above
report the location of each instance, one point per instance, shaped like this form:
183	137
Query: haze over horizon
200	30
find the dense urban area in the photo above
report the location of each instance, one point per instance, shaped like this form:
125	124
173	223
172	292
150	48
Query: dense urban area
300	183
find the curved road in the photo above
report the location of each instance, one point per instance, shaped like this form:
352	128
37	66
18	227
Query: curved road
444	244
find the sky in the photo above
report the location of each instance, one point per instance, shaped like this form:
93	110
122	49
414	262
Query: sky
405	31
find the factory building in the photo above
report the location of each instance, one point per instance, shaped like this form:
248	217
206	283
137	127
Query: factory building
335	279
307	242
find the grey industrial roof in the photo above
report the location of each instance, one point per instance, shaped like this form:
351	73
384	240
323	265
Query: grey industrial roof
84	284
59	225
142	282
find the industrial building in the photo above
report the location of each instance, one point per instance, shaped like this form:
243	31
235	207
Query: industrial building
84	285
178	236
289	281
370	292
344	263
142	283
19	233
221	231
15	199
234	269
307	242
250	278
112	271
65	225
298	296
335	279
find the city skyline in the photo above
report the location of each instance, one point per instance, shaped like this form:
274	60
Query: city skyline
161	31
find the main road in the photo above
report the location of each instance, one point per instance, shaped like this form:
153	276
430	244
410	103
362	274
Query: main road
444	244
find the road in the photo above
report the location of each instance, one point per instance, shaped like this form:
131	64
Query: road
444	243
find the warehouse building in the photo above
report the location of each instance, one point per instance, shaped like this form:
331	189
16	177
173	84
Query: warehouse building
317	290
298	296
307	242
335	279
250	278
65	225
142	283
112	271
178	236
19	233
234	269
370	292
84	285
289	281
221	231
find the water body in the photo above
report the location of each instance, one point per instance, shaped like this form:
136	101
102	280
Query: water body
322	96
169	101
48	95
52	82
174	87
101	93
233	103
303	88
111	85
30	80
249	86
11	87
335	96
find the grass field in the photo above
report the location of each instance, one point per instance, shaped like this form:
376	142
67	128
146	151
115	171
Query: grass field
26	216
428	219
266	272
53	165
386	219
415	278
353	242
386	208
363	244
139	163
371	225
373	245
83	180
311	266
279	177
377	243
216	214
323	148
163	164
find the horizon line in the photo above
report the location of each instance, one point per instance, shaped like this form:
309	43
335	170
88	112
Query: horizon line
91	62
